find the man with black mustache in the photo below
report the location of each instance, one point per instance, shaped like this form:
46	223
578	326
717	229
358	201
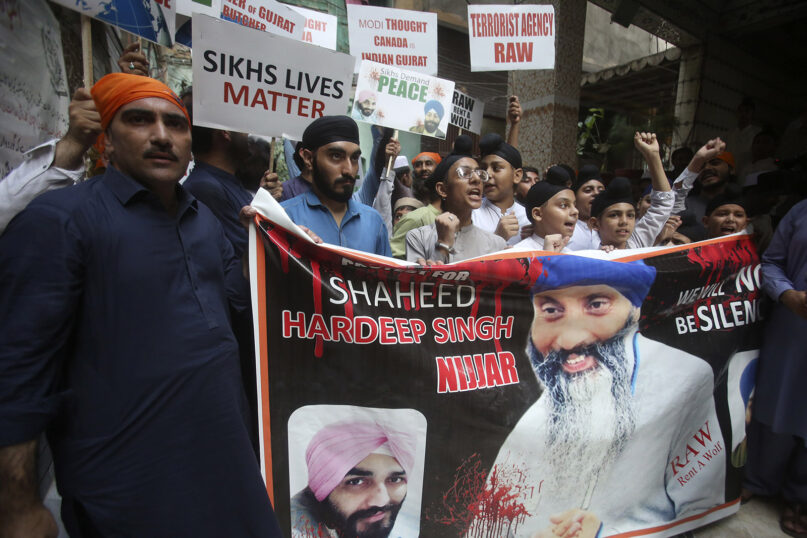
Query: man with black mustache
357	481
331	148
117	299
598	439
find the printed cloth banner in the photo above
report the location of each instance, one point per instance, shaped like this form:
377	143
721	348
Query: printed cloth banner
509	38
320	28
154	20
255	82
467	112
264	15
33	85
402	99
502	396
396	37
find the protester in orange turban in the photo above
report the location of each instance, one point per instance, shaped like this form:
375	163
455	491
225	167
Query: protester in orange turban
433	156
117	89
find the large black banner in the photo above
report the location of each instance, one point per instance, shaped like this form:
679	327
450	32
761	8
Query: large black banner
520	394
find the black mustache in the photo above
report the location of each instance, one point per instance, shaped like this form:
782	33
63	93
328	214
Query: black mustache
160	154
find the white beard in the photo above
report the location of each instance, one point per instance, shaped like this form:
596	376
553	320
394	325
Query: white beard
586	438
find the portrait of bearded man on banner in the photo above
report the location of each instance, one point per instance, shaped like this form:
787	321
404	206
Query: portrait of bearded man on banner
625	430
357	481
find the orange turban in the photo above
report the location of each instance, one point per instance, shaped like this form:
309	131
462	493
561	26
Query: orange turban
117	89
433	156
727	157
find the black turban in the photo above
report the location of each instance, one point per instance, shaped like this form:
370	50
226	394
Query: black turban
586	174
463	146
617	192
725	199
493	144
540	193
557	175
329	129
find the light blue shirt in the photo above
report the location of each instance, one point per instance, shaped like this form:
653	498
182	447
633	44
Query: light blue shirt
361	229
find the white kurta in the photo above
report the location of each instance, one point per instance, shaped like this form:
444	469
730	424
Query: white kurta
488	215
674	402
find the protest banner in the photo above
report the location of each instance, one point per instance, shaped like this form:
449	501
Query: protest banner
154	20
509	38
467	112
402	99
256	82
320	28
396	37
609	390
34	100
264	15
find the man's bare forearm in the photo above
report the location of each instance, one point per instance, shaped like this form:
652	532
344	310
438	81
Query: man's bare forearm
22	514
18	487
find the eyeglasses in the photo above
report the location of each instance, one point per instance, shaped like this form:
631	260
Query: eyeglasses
465	172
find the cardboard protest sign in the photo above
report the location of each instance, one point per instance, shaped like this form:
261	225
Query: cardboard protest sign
320	28
205	7
264	15
34	95
467	112
154	20
539	384
509	38
402	99
255	82
396	37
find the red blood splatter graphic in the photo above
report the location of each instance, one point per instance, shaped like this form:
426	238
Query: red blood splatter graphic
478	507
316	282
724	258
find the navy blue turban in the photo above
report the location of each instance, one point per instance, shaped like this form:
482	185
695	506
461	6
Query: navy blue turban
631	279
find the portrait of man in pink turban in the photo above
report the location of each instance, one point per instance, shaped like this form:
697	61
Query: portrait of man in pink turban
357	481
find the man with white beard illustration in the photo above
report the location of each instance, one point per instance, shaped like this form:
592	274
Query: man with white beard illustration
622	428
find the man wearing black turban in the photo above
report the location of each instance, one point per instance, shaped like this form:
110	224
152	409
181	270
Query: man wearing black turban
331	148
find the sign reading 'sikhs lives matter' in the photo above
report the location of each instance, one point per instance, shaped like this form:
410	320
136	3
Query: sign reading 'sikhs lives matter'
255	82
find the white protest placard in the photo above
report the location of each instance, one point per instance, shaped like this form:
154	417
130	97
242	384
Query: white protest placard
256	82
320	28
154	20
402	99
467	112
206	7
33	82
509	38
396	37
264	15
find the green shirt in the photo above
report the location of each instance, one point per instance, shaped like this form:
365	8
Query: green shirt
410	221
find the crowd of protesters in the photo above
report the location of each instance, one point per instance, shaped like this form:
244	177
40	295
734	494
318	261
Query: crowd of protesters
124	299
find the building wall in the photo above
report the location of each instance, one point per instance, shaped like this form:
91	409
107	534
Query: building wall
608	44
